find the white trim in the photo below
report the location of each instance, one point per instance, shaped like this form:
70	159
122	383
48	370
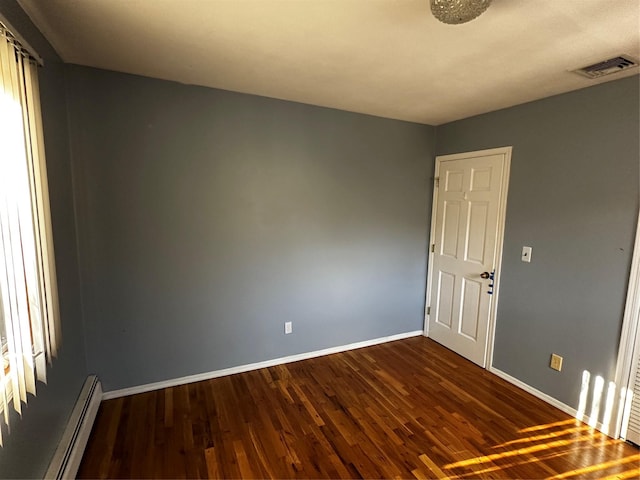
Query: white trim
430	254
502	218
502	213
253	366
542	396
627	351
66	460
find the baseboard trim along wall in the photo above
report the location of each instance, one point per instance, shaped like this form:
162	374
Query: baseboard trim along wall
66	460
543	396
254	366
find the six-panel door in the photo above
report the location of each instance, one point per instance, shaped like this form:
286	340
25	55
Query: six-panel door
466	228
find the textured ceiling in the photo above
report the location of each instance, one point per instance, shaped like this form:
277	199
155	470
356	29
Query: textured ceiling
388	58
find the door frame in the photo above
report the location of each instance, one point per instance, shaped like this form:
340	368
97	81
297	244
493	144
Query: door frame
629	349
502	210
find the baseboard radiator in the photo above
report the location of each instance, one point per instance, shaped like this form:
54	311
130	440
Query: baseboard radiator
66	460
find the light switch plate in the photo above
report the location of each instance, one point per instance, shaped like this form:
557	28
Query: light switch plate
526	254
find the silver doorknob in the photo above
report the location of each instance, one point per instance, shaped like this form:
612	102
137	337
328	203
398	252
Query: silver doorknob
485	275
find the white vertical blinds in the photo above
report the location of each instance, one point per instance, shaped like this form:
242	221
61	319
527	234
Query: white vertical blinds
29	312
633	428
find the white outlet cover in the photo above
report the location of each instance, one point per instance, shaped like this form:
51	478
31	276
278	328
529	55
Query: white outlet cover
288	328
526	254
556	362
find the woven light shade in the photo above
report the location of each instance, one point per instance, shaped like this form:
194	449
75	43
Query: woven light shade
455	12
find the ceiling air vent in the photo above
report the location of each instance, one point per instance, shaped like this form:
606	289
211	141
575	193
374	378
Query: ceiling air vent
607	67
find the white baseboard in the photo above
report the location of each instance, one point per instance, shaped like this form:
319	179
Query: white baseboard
66	460
543	396
253	366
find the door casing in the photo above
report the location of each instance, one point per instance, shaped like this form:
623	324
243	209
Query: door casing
502	209
629	350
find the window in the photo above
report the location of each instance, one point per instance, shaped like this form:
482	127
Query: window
29	326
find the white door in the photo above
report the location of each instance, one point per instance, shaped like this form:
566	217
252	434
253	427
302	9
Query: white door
466	236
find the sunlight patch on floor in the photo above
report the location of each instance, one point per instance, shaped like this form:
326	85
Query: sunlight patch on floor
536	438
521	451
545	446
599	466
546	426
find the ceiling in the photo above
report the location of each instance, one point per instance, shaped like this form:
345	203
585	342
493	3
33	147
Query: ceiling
389	58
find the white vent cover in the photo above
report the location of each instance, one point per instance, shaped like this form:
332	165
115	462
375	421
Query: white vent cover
607	67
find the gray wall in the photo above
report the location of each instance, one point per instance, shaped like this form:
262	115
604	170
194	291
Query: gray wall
34	438
206	219
573	197
209	218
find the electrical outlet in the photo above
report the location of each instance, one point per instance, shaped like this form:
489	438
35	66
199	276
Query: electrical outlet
288	328
556	362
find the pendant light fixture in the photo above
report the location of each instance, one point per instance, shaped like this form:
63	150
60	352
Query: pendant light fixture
455	12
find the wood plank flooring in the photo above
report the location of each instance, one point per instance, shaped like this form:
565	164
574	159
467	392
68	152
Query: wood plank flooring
405	409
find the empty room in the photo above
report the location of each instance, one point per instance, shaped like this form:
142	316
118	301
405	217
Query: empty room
320	239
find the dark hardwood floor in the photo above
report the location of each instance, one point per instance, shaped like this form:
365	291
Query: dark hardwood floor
405	409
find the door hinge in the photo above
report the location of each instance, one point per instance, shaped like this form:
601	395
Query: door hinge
433	247
428	310
437	181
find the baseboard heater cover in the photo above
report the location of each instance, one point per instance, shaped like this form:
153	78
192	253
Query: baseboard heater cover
66	460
